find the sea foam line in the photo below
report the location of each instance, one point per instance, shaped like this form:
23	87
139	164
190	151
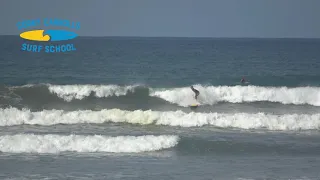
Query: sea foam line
13	116
209	95
51	143
237	94
70	92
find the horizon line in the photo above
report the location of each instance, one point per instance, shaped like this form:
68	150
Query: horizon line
207	37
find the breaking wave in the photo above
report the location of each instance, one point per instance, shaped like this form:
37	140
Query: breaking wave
32	143
13	116
209	95
238	94
70	92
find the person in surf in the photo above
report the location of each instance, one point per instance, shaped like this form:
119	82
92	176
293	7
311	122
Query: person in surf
243	80
195	91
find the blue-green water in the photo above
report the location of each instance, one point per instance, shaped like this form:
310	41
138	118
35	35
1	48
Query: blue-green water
163	62
88	114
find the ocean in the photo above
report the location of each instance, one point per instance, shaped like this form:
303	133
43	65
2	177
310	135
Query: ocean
119	108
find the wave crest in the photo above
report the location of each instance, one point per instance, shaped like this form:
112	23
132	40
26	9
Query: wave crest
70	92
31	143
237	94
209	95
13	116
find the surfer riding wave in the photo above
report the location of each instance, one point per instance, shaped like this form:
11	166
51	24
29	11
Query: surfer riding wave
195	91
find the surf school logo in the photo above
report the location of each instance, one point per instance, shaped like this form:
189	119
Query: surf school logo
37	37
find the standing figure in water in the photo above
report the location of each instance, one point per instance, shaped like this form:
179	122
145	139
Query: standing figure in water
195	91
243	80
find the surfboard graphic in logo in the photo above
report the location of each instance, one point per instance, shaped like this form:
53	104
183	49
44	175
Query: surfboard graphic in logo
48	35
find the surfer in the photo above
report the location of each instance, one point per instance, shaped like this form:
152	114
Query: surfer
195	91
243	80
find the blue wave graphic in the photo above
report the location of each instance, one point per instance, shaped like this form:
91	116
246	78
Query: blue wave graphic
60	35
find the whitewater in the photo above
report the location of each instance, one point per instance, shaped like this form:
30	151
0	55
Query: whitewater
209	95
14	116
52	143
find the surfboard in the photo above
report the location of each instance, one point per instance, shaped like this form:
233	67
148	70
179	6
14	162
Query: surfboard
194	105
240	83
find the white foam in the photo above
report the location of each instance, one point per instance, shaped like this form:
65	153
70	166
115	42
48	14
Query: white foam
237	94
50	143
70	92
13	116
208	94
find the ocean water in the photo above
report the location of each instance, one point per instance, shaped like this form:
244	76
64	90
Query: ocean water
118	108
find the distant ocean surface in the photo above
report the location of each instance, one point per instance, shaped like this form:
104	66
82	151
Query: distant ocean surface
118	108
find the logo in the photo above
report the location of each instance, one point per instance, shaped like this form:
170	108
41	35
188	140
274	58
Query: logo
47	35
